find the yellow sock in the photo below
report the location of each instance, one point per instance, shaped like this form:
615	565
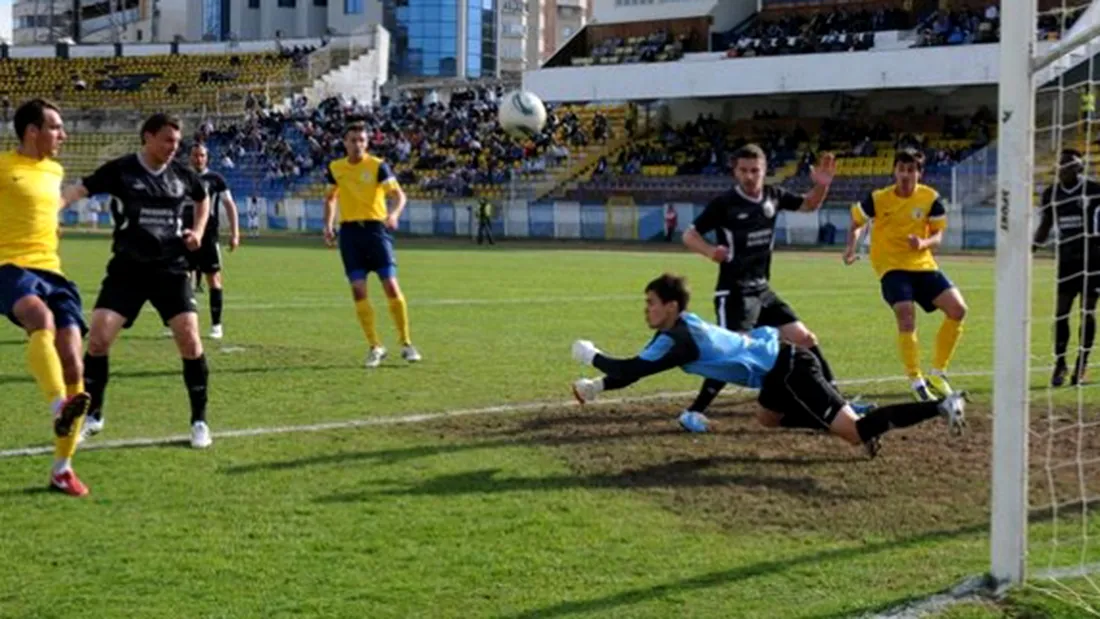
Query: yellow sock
399	310
45	365
365	313
73	389
909	351
65	446
947	339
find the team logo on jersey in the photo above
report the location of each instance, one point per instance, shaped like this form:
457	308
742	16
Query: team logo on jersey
175	187
769	208
918	213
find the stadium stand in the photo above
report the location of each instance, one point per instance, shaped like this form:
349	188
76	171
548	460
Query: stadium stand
438	149
691	162
181	83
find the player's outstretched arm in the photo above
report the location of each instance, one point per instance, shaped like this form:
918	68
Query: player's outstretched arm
72	193
822	175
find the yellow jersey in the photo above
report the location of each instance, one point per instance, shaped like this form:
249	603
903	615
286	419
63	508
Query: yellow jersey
893	218
361	187
30	200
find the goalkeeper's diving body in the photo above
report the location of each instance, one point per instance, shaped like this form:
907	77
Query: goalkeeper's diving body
793	391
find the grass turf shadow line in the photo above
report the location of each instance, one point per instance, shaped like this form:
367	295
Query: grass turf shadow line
393	456
10	379
681	473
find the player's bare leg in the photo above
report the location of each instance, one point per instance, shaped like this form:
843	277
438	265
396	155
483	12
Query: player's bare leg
399	311
954	309
105	328
364	311
214	281
909	348
185	331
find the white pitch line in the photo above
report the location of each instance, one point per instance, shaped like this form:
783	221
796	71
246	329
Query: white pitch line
328	302
392	420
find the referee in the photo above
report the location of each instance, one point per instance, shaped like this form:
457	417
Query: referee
149	191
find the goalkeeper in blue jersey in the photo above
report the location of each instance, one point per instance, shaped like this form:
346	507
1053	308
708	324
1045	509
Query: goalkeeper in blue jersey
793	391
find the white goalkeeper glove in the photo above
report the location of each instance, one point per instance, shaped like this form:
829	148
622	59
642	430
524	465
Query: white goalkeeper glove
585	351
586	389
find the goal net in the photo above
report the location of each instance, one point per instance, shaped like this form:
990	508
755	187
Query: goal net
1046	438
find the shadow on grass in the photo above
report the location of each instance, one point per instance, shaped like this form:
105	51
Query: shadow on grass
393	456
11	379
688	472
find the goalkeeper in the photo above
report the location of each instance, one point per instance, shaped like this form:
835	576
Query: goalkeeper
1072	206
793	391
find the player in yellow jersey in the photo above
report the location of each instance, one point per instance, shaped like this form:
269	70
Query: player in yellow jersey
361	183
33	292
907	222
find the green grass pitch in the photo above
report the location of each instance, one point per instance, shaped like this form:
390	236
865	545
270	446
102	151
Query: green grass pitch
559	512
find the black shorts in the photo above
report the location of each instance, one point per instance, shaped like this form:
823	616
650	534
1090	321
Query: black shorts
128	286
745	312
208	257
921	287
797	386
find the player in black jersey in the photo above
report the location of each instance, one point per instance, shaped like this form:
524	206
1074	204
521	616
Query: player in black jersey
149	190
743	220
208	259
1072	205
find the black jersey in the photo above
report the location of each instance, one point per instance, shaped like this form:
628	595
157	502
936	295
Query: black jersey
217	189
147	208
1075	213
747	227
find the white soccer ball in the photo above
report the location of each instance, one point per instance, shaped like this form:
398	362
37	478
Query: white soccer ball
522	114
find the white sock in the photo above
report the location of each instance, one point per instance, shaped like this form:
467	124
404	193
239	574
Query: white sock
918	383
61	465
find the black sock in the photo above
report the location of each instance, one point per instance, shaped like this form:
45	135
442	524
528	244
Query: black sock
710	390
215	306
195	374
826	371
96	373
1061	338
881	420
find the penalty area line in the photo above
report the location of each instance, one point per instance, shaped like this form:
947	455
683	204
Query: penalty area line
393	420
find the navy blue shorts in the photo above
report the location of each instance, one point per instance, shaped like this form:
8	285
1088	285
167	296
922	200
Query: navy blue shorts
365	247
60	295
921	287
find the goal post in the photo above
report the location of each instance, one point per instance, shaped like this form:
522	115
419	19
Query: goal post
1012	314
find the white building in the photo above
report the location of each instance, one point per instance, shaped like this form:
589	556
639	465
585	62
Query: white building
532	30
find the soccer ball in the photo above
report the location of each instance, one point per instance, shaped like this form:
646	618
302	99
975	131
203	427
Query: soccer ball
522	114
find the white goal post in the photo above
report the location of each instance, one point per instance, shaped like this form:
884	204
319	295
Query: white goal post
1012	327
1021	71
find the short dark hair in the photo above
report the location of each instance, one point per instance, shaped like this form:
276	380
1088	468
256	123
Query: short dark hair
750	151
158	121
355	128
1071	152
670	287
32	112
909	155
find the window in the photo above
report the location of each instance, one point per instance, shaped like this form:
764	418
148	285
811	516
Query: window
253	4
353	7
320	2
288	4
